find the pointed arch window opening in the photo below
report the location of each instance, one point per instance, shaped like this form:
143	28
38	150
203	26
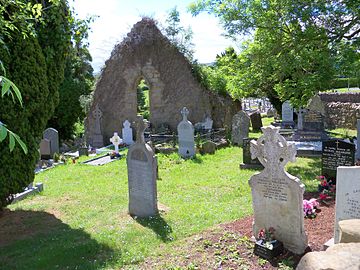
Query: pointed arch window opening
143	97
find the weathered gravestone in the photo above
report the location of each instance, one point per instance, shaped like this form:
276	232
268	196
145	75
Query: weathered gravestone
240	127
358	140
97	140
347	196
277	196
311	127
186	136
208	147
256	121
142	167
52	135
248	162
127	133
45	149
336	153
287	115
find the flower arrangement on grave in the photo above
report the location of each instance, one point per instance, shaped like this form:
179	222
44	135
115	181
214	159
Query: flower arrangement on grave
266	245
327	189
113	155
310	207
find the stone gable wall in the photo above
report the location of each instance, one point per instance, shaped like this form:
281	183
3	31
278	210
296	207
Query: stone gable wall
146	53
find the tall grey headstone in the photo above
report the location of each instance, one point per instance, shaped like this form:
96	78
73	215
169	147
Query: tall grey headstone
277	196
287	112
240	127
98	140
45	149
53	136
186	136
127	133
357	155
347	196
142	167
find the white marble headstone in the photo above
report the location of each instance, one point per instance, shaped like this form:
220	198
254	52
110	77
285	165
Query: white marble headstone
347	196
127	133
142	167
116	141
277	196
240	127
208	123
186	136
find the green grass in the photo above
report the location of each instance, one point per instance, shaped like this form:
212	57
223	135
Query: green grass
343	133
80	220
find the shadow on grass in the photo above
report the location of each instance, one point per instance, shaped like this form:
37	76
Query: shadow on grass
309	172
158	225
39	240
196	159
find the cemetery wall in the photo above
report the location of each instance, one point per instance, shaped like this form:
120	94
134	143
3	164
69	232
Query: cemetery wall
146	54
341	109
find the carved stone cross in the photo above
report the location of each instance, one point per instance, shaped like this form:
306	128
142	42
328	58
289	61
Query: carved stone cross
116	140
141	125
97	115
272	150
184	113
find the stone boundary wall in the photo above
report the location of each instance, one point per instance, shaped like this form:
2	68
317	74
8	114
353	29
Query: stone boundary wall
341	109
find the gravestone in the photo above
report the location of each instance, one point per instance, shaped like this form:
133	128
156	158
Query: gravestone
208	123
311	127
277	196
248	162
186	136
53	136
116	140
357	140
256	121
347	196
336	153
98	140
287	115
240	127
208	147
300	120
142	167
127	133
45	149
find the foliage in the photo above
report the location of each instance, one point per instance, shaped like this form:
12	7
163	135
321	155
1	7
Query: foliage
178	35
290	52
345	83
27	69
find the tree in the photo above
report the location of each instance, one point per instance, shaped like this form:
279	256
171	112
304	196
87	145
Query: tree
288	55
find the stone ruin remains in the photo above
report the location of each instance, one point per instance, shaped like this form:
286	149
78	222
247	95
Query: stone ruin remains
147	54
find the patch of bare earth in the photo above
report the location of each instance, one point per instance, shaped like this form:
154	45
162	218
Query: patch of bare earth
228	246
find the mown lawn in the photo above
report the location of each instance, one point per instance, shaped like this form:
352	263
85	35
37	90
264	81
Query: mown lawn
80	220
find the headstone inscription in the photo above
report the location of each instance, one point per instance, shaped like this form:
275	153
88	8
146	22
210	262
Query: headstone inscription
347	196
277	196
287	115
142	167
311	127
127	133
45	149
116	141
240	127
248	162
357	157
185	131
53	136
98	140
336	153
256	121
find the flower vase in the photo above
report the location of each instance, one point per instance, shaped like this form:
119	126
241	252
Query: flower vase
265	252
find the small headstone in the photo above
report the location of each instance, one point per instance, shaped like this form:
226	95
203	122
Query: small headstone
256	121
142	173
127	133
53	136
287	115
186	136
208	123
277	195
358	141
300	121
240	127
248	162
336	153
98	140
116	141
347	196
208	147
45	149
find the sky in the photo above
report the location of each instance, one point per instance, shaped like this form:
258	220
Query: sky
116	17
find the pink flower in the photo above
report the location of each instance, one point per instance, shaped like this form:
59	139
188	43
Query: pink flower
261	234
